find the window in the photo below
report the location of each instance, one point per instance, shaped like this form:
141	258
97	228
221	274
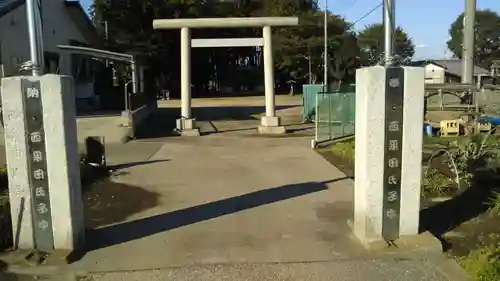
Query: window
51	61
81	66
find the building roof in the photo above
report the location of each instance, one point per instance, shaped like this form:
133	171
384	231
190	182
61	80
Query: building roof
453	67
82	21
8	5
75	9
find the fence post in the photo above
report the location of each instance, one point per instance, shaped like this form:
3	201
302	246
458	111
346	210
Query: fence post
329	116
342	121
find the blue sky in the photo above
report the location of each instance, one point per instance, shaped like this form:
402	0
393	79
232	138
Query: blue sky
426	21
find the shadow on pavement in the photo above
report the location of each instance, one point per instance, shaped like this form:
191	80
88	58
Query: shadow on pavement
133	164
121	233
109	202
162	122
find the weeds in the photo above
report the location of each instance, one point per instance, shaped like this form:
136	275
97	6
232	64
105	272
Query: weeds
469	156
436	184
345	150
494	204
473	160
483	264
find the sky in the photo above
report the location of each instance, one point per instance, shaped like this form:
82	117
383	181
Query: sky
426	21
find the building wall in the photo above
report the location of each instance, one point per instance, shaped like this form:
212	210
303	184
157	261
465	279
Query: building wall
58	29
434	74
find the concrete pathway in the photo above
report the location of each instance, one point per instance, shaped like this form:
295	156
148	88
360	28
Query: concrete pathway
226	200
242	209
240	116
238	209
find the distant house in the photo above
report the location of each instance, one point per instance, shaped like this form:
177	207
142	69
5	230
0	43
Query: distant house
450	71
64	23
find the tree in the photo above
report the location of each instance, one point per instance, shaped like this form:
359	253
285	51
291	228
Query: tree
487	37
130	30
296	47
371	42
345	57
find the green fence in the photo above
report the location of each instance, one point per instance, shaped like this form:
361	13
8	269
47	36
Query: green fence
309	93
336	114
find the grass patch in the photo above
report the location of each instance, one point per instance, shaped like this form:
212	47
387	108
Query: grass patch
345	150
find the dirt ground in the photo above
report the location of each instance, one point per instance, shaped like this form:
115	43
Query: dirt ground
462	223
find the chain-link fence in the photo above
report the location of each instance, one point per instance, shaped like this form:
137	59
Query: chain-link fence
336	111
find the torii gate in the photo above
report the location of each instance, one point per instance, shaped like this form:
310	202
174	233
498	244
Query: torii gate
270	123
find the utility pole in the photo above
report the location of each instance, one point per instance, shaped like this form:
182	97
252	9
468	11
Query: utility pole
468	42
106	30
325	64
34	17
389	26
106	37
310	69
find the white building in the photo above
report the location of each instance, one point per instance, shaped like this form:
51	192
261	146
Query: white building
450	71
64	23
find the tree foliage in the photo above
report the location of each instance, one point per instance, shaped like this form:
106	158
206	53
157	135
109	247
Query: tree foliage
487	37
371	42
295	48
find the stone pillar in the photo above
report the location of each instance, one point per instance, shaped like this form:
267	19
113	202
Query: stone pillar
63	162
16	154
270	123
186	125
389	120
43	162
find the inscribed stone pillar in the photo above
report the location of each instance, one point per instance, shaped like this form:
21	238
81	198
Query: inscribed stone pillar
389	120
43	162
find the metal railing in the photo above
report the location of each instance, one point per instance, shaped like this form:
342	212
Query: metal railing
336	113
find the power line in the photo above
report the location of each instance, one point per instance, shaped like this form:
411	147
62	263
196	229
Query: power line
366	15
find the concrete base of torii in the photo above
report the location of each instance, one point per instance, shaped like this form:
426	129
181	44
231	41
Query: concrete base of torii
271	125
187	127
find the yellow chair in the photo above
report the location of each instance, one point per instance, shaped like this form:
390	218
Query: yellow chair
449	128
484	127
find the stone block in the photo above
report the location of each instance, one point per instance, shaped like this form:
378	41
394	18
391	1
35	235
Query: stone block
277	130
271	125
270	121
370	151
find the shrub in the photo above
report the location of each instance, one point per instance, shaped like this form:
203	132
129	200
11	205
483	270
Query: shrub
470	155
436	184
